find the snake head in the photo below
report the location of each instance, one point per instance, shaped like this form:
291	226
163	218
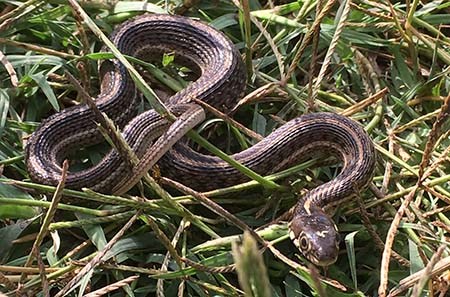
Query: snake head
315	235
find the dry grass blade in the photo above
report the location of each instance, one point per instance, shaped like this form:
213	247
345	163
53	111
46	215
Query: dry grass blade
112	287
434	135
307	38
9	18
247	32
108	127
6	282
12	73
375	236
439	268
160	283
74	282
42	275
49	215
387	252
314	61
39	49
388	170
213	207
332	47
272	44
164	240
200	267
229	120
365	102
426	276
256	95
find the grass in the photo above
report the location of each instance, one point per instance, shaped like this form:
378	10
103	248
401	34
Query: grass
383	64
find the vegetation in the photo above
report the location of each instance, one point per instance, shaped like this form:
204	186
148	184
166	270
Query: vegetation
384	64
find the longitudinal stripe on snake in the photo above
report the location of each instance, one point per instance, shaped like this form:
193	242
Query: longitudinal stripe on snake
221	83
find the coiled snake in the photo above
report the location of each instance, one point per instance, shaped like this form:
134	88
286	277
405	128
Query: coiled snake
222	81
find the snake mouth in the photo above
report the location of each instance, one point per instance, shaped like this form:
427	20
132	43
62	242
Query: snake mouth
322	262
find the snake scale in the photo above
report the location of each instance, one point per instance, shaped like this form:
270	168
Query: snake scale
221	82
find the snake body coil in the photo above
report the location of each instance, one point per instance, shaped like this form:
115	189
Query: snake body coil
221	82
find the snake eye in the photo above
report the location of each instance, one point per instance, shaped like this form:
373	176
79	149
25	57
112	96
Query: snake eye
304	243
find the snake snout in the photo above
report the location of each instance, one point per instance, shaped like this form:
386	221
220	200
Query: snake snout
324	246
325	256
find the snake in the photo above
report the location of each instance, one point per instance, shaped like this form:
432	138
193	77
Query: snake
221	83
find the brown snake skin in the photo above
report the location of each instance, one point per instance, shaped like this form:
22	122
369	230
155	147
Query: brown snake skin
221	83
